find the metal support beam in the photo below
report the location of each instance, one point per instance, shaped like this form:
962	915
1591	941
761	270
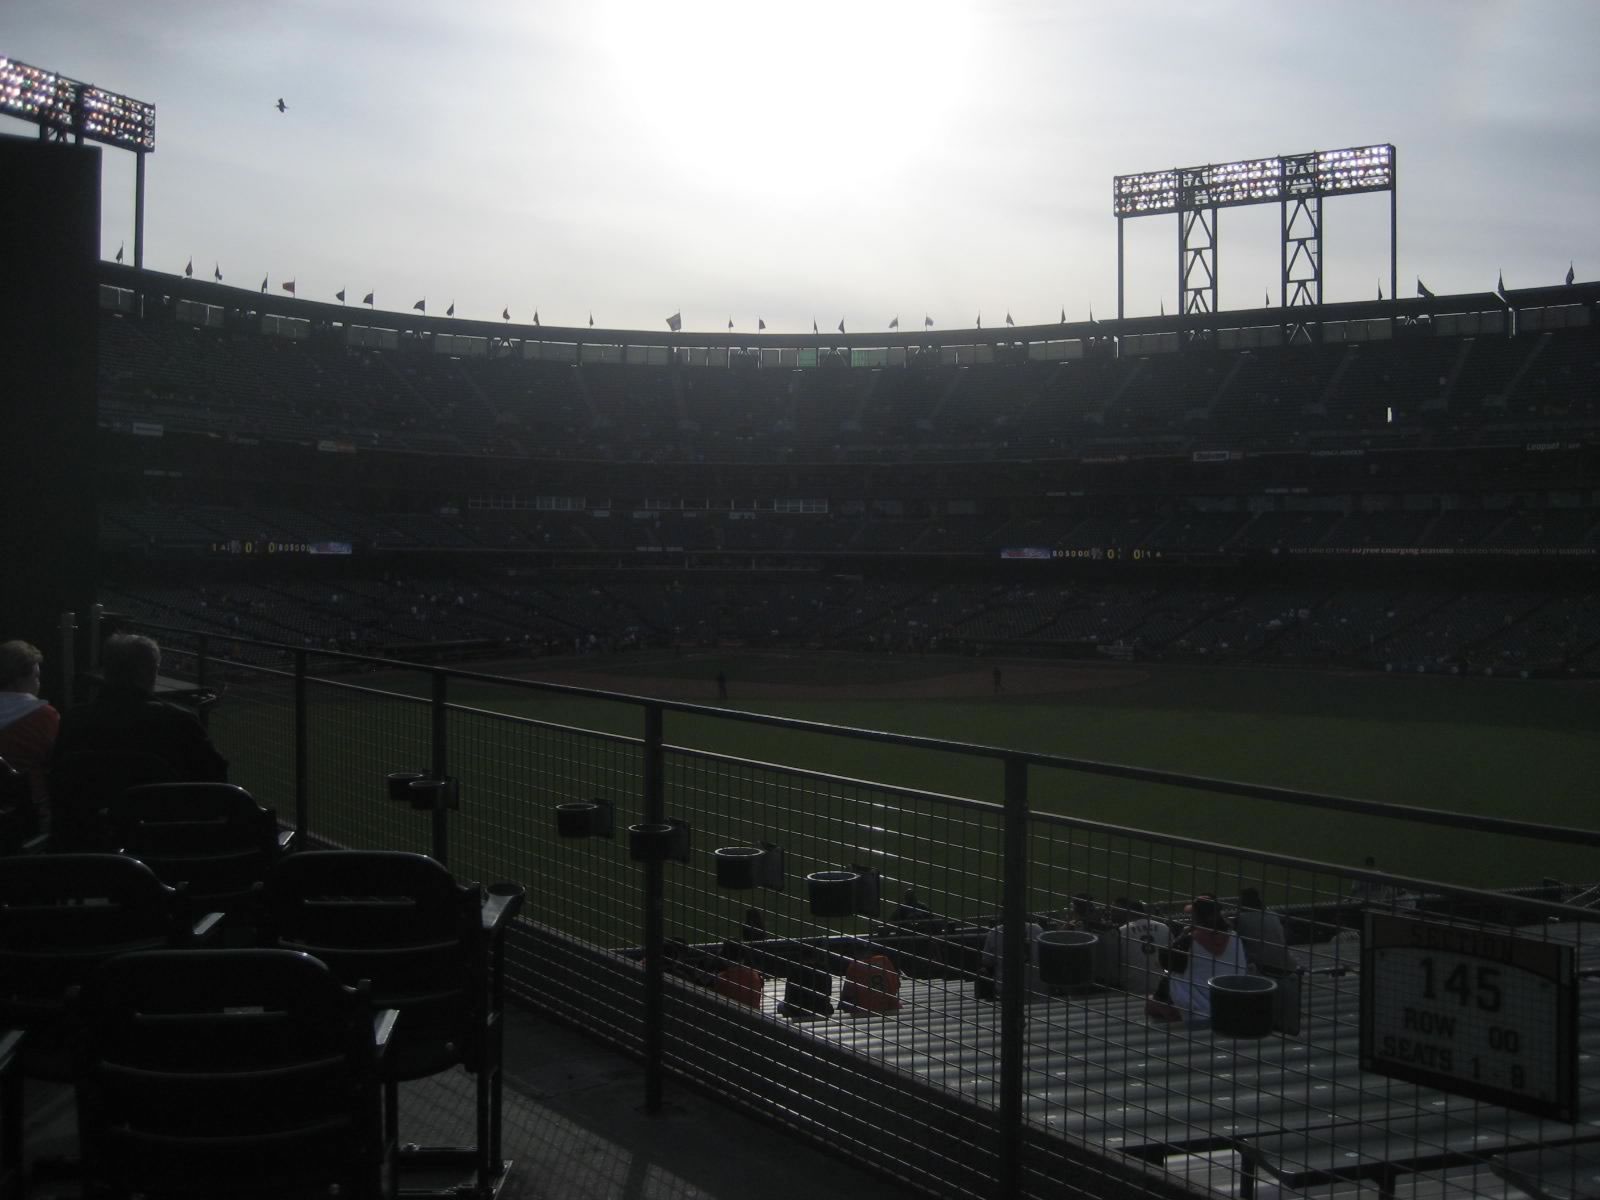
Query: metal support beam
138	211
1197	264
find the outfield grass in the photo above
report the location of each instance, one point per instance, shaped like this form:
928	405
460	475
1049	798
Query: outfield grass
1524	749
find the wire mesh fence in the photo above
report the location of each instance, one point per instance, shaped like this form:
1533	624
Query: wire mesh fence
982	998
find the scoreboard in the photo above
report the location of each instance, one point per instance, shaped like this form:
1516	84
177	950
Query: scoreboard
1481	1012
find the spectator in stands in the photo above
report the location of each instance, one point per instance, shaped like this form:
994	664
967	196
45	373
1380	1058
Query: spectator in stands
1208	948
28	725
808	992
738	980
871	983
911	908
1265	945
1142	945
754	928
126	719
993	945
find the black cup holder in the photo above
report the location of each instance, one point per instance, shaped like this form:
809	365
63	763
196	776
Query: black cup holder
1241	1005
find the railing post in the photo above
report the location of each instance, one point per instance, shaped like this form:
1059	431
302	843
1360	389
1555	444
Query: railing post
202	656
1015	954
302	791
441	770
655	915
69	626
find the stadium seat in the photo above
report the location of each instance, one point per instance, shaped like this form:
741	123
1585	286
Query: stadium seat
82	787
213	837
230	1073
431	948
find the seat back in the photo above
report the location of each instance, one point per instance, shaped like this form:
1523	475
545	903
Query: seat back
402	922
227	1072
82	787
212	836
61	916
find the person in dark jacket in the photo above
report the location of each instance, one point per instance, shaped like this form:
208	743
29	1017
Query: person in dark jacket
124	737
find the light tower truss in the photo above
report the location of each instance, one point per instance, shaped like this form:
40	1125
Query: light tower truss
1297	183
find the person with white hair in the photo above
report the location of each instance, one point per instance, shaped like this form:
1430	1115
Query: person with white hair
125	718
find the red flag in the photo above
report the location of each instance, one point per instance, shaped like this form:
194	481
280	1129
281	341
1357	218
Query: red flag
288	287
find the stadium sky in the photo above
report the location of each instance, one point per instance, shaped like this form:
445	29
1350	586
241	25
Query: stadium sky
836	159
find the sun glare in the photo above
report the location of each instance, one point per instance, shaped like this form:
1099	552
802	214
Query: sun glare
748	91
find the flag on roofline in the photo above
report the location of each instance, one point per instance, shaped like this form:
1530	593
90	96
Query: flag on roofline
1009	321
1266	299
288	287
1092	321
188	269
505	313
1571	273
980	320
536	316
119	251
814	328
367	299
263	283
1422	289
1500	286
730	322
927	321
216	272
339	295
1380	291
591	320
760	324
841	324
1163	306
895	324
420	306
1063	316
675	321
451	311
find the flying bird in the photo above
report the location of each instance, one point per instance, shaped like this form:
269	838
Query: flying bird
282	107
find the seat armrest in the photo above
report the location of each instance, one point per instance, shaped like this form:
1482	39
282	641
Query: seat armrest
503	902
383	1022
205	929
287	839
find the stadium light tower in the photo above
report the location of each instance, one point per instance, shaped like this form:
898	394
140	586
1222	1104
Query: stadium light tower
63	108
1297	183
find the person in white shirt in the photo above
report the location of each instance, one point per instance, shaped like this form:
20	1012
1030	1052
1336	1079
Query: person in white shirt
1208	948
1142	944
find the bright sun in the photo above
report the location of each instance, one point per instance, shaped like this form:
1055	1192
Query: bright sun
748	89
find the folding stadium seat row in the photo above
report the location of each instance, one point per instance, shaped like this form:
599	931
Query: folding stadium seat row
276	1061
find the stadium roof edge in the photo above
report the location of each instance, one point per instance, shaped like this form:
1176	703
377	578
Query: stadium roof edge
252	300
